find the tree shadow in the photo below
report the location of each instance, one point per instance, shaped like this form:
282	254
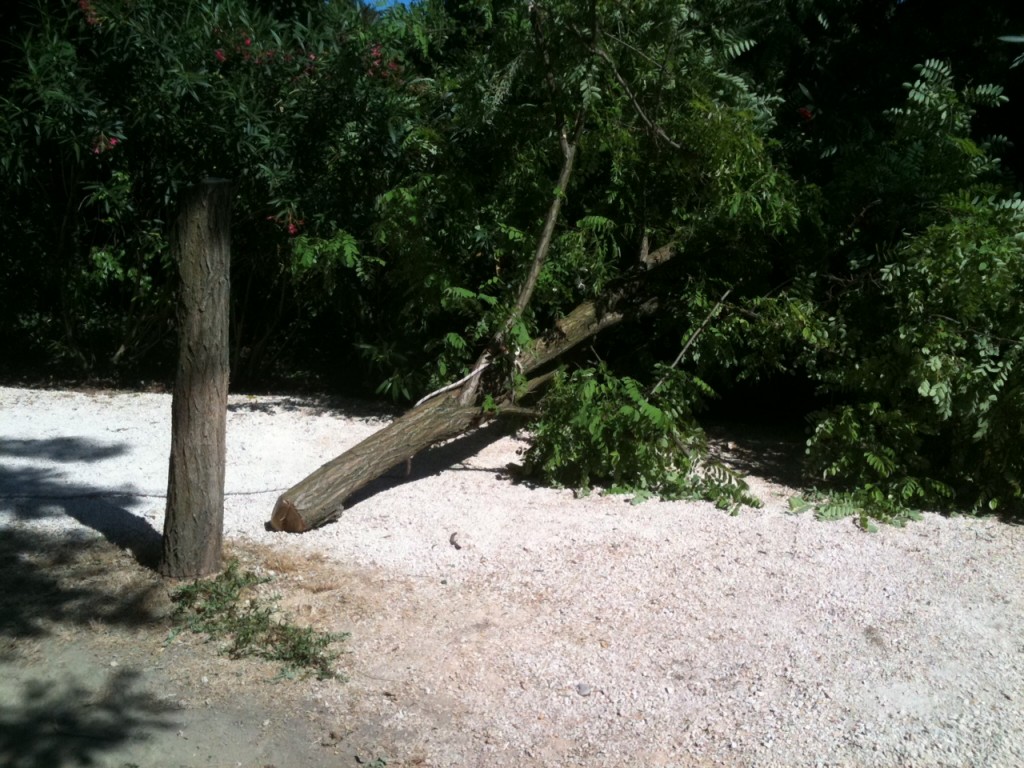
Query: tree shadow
51	579
56	585
58	582
774	453
340	406
66	576
439	458
67	449
36	493
68	724
1011	513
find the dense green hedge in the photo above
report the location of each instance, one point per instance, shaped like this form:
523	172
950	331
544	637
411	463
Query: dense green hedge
832	167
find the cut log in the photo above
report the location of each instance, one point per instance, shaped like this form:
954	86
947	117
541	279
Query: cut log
320	498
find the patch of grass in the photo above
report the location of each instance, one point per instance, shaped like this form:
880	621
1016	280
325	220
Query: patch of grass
215	607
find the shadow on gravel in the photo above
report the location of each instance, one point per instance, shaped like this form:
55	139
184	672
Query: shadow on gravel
1012	516
48	579
63	449
441	458
774	454
68	724
34	493
320	404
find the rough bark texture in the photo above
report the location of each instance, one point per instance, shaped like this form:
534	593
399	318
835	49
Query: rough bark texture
193	524
586	321
320	498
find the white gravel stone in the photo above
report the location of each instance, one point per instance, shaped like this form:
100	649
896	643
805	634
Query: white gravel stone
757	640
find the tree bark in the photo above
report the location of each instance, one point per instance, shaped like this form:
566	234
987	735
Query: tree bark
320	497
193	523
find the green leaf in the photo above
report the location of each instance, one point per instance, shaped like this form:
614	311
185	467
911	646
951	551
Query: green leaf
799	505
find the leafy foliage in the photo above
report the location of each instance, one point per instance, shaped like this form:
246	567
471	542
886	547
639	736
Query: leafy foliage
915	338
217	608
112	110
597	428
943	364
818	162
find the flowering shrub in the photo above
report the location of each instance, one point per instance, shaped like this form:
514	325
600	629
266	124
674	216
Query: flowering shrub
224	90
104	143
91	17
380	68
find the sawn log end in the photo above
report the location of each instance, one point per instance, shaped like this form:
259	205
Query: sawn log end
286	517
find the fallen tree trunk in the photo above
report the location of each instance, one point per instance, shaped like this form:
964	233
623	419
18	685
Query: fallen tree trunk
455	408
320	497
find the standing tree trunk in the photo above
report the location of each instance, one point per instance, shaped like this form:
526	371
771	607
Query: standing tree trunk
194	521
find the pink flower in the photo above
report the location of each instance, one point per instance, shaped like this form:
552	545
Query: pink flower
248	41
90	13
221	57
101	144
293	228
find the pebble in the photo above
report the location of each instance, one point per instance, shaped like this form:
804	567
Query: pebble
583	689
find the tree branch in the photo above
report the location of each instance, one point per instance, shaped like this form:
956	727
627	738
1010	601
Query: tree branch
693	338
569	145
656	129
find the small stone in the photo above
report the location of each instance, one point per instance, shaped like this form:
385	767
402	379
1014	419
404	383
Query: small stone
583	689
329	739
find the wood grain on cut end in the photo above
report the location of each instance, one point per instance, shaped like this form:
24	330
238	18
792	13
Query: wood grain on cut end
286	517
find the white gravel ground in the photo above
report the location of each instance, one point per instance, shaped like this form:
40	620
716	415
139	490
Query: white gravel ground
588	631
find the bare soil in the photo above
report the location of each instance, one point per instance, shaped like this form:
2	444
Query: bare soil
94	672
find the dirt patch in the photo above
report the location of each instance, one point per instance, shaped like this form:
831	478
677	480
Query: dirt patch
94	672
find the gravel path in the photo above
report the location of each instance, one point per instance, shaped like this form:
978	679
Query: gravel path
580	632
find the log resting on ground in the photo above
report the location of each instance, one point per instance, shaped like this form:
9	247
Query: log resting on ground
320	497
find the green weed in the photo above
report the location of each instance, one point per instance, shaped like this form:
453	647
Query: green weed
215	607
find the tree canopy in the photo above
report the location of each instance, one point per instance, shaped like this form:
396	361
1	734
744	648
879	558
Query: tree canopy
827	193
